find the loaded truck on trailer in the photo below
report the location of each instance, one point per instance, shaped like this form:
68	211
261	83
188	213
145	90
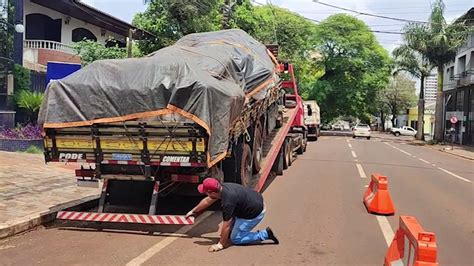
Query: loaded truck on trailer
214	104
312	119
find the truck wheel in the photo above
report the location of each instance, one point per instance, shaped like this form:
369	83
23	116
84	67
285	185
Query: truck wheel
278	163
397	134
244	170
303	144
257	147
288	150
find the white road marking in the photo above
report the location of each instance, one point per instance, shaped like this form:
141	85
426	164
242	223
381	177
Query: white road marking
386	229
409	154
366	186
350	146
455	175
165	242
361	171
425	161
433	164
354	154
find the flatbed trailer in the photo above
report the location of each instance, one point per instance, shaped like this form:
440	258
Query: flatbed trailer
157	158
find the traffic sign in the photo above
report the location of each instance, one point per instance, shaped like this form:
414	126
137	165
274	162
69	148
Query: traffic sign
453	120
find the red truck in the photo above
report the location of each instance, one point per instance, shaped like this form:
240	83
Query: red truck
174	149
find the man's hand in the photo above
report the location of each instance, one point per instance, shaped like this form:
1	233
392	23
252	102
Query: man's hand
216	247
190	213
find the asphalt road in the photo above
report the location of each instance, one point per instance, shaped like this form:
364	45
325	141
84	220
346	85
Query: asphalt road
315	209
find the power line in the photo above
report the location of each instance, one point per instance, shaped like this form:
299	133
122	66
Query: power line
384	13
368	14
318	21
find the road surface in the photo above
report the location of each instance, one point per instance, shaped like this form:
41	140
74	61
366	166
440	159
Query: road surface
315	209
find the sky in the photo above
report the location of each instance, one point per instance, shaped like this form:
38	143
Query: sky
406	9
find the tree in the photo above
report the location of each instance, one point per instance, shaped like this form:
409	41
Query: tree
170	20
398	95
268	24
90	51
438	42
355	67
407	59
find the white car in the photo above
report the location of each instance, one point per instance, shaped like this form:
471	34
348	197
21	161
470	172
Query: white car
361	130
405	131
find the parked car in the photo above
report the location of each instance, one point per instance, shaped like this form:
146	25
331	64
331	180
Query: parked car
405	131
337	127
361	130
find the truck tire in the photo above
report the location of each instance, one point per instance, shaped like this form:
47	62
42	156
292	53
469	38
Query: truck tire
257	150
396	134
288	152
303	144
278	163
244	166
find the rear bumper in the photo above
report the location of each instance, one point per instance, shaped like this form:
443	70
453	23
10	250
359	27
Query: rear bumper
124	218
361	134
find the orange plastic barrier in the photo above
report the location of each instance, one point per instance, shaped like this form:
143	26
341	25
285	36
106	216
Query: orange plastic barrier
411	245
377	198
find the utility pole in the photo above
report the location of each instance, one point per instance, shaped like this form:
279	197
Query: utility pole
18	35
130	43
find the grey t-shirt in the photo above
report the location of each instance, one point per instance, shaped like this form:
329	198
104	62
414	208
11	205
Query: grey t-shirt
241	202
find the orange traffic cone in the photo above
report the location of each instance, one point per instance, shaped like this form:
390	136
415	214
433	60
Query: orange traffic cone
411	245
377	198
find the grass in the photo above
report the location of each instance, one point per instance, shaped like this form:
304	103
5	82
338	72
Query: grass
34	150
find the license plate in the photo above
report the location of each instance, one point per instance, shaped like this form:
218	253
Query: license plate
121	156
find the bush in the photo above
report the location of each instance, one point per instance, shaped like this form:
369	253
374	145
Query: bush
31	102
28	131
22	78
34	150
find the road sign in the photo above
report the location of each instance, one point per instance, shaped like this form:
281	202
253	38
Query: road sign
453	120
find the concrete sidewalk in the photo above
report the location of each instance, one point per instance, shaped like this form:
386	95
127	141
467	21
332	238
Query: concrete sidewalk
466	152
31	192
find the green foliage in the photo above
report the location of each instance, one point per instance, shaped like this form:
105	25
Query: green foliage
355	67
91	51
399	95
170	20
294	34
438	42
22	78
29	100
34	150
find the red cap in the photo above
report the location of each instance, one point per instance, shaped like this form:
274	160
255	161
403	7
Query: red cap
209	185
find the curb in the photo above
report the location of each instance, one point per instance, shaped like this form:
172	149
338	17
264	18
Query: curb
28	222
455	154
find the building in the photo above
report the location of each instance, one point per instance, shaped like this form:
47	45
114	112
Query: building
458	89
51	29
410	118
431	87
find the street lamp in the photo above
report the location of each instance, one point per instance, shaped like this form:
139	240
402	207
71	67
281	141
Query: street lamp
19	28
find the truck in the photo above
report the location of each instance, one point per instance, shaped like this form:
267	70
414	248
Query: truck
212	105
312	119
404	130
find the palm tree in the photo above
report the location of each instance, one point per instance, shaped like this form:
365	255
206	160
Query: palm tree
438	42
407	59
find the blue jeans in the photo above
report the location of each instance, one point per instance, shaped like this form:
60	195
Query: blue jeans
241	232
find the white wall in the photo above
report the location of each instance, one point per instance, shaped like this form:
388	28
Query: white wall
66	30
